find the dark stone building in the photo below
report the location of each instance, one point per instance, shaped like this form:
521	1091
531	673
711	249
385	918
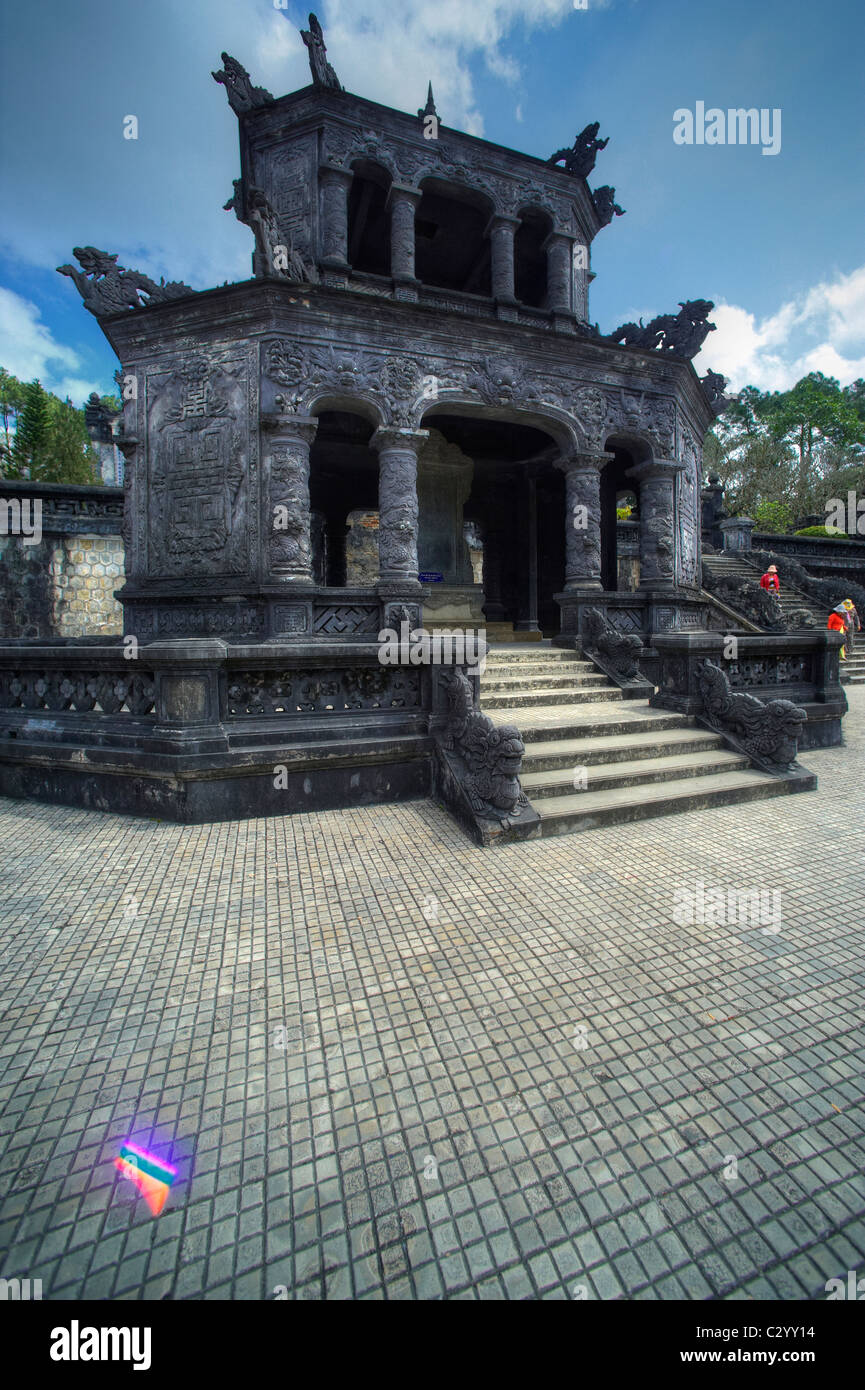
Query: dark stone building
415	345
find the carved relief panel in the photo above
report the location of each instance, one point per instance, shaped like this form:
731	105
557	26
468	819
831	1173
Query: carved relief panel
288	175
199	463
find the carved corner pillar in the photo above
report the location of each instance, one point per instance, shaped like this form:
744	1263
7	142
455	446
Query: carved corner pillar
334	184
133	499
560	277
656	479
501	231
403	205
286	531
583	519
398	509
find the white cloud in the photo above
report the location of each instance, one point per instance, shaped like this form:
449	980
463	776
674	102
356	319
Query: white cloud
822	330
28	351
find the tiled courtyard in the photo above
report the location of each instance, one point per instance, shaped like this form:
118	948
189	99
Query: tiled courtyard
388	1064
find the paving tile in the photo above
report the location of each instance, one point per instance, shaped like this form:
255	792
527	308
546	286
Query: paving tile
306	1165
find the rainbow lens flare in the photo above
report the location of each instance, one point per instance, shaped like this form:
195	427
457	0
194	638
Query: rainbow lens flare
151	1175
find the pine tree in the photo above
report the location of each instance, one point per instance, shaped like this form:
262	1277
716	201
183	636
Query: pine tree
32	436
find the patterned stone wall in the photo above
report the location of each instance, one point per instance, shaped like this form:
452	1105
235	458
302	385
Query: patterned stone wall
62	587
85	572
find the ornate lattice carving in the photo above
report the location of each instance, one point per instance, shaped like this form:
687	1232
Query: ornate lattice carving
317	691
127	692
340	618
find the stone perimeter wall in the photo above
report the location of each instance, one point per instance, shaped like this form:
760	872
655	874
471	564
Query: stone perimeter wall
64	584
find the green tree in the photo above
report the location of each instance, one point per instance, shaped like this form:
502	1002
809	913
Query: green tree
32	433
44	438
812	417
11	405
71	458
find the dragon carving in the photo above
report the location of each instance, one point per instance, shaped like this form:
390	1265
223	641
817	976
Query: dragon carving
579	160
492	754
683	333
618	650
106	288
768	732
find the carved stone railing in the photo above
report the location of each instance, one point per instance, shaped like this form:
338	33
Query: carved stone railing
81	679
71	508
800	668
477	767
196	730
820	554
617	654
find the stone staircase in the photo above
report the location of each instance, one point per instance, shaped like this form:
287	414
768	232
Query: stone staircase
731	566
594	759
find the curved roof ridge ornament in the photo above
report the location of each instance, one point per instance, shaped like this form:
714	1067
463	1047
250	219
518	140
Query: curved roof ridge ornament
580	158
242	96
323	74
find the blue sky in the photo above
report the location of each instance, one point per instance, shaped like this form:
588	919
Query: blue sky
776	241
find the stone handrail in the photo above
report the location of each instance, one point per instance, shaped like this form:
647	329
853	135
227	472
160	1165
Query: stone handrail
798	669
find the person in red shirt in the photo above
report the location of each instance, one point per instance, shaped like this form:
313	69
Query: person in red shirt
770	580
838	623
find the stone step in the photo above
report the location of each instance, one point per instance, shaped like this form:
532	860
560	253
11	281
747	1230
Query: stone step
530	670
504	632
608	749
559	782
569	697
563	815
537	656
502	684
554	722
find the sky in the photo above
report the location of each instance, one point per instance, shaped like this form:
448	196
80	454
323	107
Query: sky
776	240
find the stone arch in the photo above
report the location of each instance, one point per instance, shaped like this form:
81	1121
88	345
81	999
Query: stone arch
327	398
549	419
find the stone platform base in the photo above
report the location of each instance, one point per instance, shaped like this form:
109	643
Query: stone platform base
266	781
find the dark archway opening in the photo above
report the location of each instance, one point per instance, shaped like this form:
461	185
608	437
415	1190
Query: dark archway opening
343	479
516	508
452	251
616	485
369	221
530	259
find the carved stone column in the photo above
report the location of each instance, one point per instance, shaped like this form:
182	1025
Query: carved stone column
583	519
560	273
403	205
334	184
397	508
656	479
286	530
501	231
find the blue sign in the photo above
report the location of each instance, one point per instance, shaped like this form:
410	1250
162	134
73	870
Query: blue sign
431	577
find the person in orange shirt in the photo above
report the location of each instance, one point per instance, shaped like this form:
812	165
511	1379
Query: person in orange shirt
838	623
770	580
